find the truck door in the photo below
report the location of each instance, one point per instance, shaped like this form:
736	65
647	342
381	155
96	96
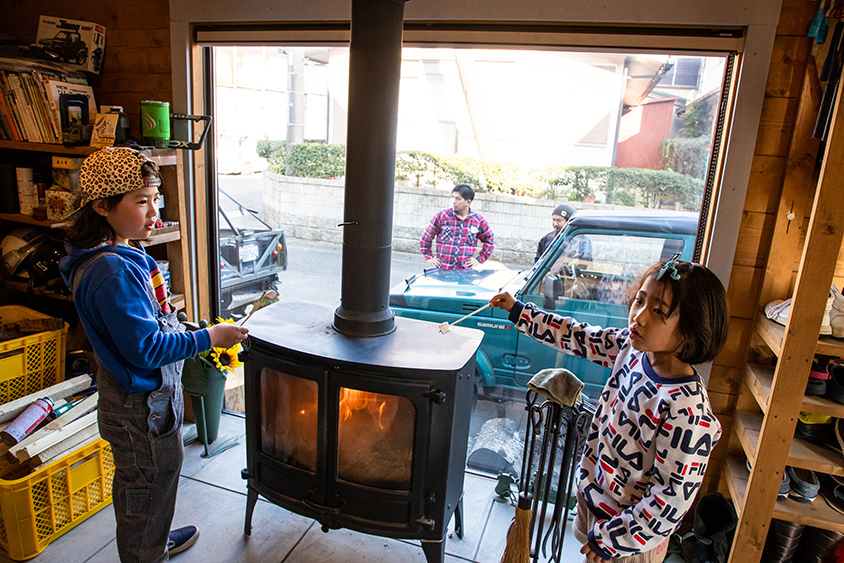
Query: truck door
589	280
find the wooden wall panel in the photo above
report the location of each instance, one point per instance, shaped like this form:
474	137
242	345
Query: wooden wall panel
775	126
763	188
795	16
754	240
136	65
788	62
744	281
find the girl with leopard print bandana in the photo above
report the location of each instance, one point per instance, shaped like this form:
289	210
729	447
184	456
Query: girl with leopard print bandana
139	345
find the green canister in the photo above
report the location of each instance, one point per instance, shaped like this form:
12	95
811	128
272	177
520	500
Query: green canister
155	123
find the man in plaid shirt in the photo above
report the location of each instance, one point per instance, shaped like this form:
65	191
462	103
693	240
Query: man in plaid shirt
457	231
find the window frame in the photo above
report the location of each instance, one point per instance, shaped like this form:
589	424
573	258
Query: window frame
745	28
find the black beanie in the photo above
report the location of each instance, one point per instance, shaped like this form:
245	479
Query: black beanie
565	211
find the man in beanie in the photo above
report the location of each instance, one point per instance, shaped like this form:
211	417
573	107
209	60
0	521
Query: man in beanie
559	217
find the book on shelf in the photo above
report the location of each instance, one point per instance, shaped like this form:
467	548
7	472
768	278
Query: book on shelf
24	109
29	99
15	119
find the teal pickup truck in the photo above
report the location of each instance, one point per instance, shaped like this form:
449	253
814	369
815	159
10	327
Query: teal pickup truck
585	274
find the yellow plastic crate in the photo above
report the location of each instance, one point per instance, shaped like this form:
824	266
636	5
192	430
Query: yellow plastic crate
38	508
33	362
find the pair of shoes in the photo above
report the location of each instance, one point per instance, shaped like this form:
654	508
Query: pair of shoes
782	542
818	545
181	539
837	312
838	430
835	383
805	485
778	310
715	521
815	428
816	385
832	491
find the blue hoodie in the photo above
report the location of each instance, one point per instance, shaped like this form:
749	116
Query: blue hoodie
119	318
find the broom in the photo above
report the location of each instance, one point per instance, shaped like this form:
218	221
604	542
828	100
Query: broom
518	536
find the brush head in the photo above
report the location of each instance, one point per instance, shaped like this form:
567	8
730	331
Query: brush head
444	328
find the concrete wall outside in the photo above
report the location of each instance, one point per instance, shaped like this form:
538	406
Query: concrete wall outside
310	209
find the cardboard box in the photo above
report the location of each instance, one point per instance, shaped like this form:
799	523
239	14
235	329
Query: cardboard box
66	172
60	203
76	43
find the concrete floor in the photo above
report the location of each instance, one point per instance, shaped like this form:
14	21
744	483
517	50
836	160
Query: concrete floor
212	496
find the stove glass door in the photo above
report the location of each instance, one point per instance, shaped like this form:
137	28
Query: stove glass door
375	439
289	418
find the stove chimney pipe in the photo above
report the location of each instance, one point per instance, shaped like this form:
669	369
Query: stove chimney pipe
374	75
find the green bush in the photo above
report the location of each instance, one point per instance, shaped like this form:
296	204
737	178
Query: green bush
628	186
619	186
269	149
310	160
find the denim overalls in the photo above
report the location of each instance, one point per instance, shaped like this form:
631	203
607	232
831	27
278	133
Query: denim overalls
145	434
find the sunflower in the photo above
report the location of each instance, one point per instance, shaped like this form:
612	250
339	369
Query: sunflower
226	358
227	321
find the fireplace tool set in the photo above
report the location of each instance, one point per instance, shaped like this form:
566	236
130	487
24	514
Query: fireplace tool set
554	438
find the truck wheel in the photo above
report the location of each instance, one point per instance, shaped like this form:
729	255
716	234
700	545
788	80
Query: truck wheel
81	57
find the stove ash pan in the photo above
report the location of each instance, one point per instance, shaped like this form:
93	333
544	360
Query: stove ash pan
362	433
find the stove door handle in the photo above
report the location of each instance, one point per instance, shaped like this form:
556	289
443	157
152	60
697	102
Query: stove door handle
435	395
320	508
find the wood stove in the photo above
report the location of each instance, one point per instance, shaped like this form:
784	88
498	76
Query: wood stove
358	419
367	434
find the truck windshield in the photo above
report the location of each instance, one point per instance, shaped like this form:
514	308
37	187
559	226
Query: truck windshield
600	267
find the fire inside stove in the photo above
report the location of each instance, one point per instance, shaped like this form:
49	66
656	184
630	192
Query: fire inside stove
375	430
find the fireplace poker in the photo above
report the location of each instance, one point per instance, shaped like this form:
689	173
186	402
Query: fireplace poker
265	300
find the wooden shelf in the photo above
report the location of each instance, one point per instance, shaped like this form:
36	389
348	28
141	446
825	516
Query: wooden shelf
21	218
44	147
772	333
818	513
164	235
26	288
802	454
759	379
177	300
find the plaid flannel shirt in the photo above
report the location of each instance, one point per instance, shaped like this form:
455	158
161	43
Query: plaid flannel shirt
457	239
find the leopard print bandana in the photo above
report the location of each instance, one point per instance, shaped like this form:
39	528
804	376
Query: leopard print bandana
113	171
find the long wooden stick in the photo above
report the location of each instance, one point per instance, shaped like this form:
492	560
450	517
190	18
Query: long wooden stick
475	312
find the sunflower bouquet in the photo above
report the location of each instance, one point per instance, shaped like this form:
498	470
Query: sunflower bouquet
224	359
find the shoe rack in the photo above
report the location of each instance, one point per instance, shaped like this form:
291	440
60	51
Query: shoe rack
772	396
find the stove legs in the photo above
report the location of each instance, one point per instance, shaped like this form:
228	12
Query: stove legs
435	550
251	500
458	518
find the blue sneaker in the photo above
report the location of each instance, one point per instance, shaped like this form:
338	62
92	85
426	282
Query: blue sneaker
805	485
181	539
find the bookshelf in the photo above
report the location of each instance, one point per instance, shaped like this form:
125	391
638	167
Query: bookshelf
166	243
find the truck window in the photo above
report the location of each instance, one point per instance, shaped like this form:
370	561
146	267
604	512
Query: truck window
601	267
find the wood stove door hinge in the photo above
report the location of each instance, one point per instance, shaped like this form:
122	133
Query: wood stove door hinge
435	395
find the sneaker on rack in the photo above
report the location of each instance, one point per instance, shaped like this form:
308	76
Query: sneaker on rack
816	385
805	485
835	383
778	310
832	490
836	314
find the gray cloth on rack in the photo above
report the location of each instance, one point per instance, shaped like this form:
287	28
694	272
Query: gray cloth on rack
560	385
